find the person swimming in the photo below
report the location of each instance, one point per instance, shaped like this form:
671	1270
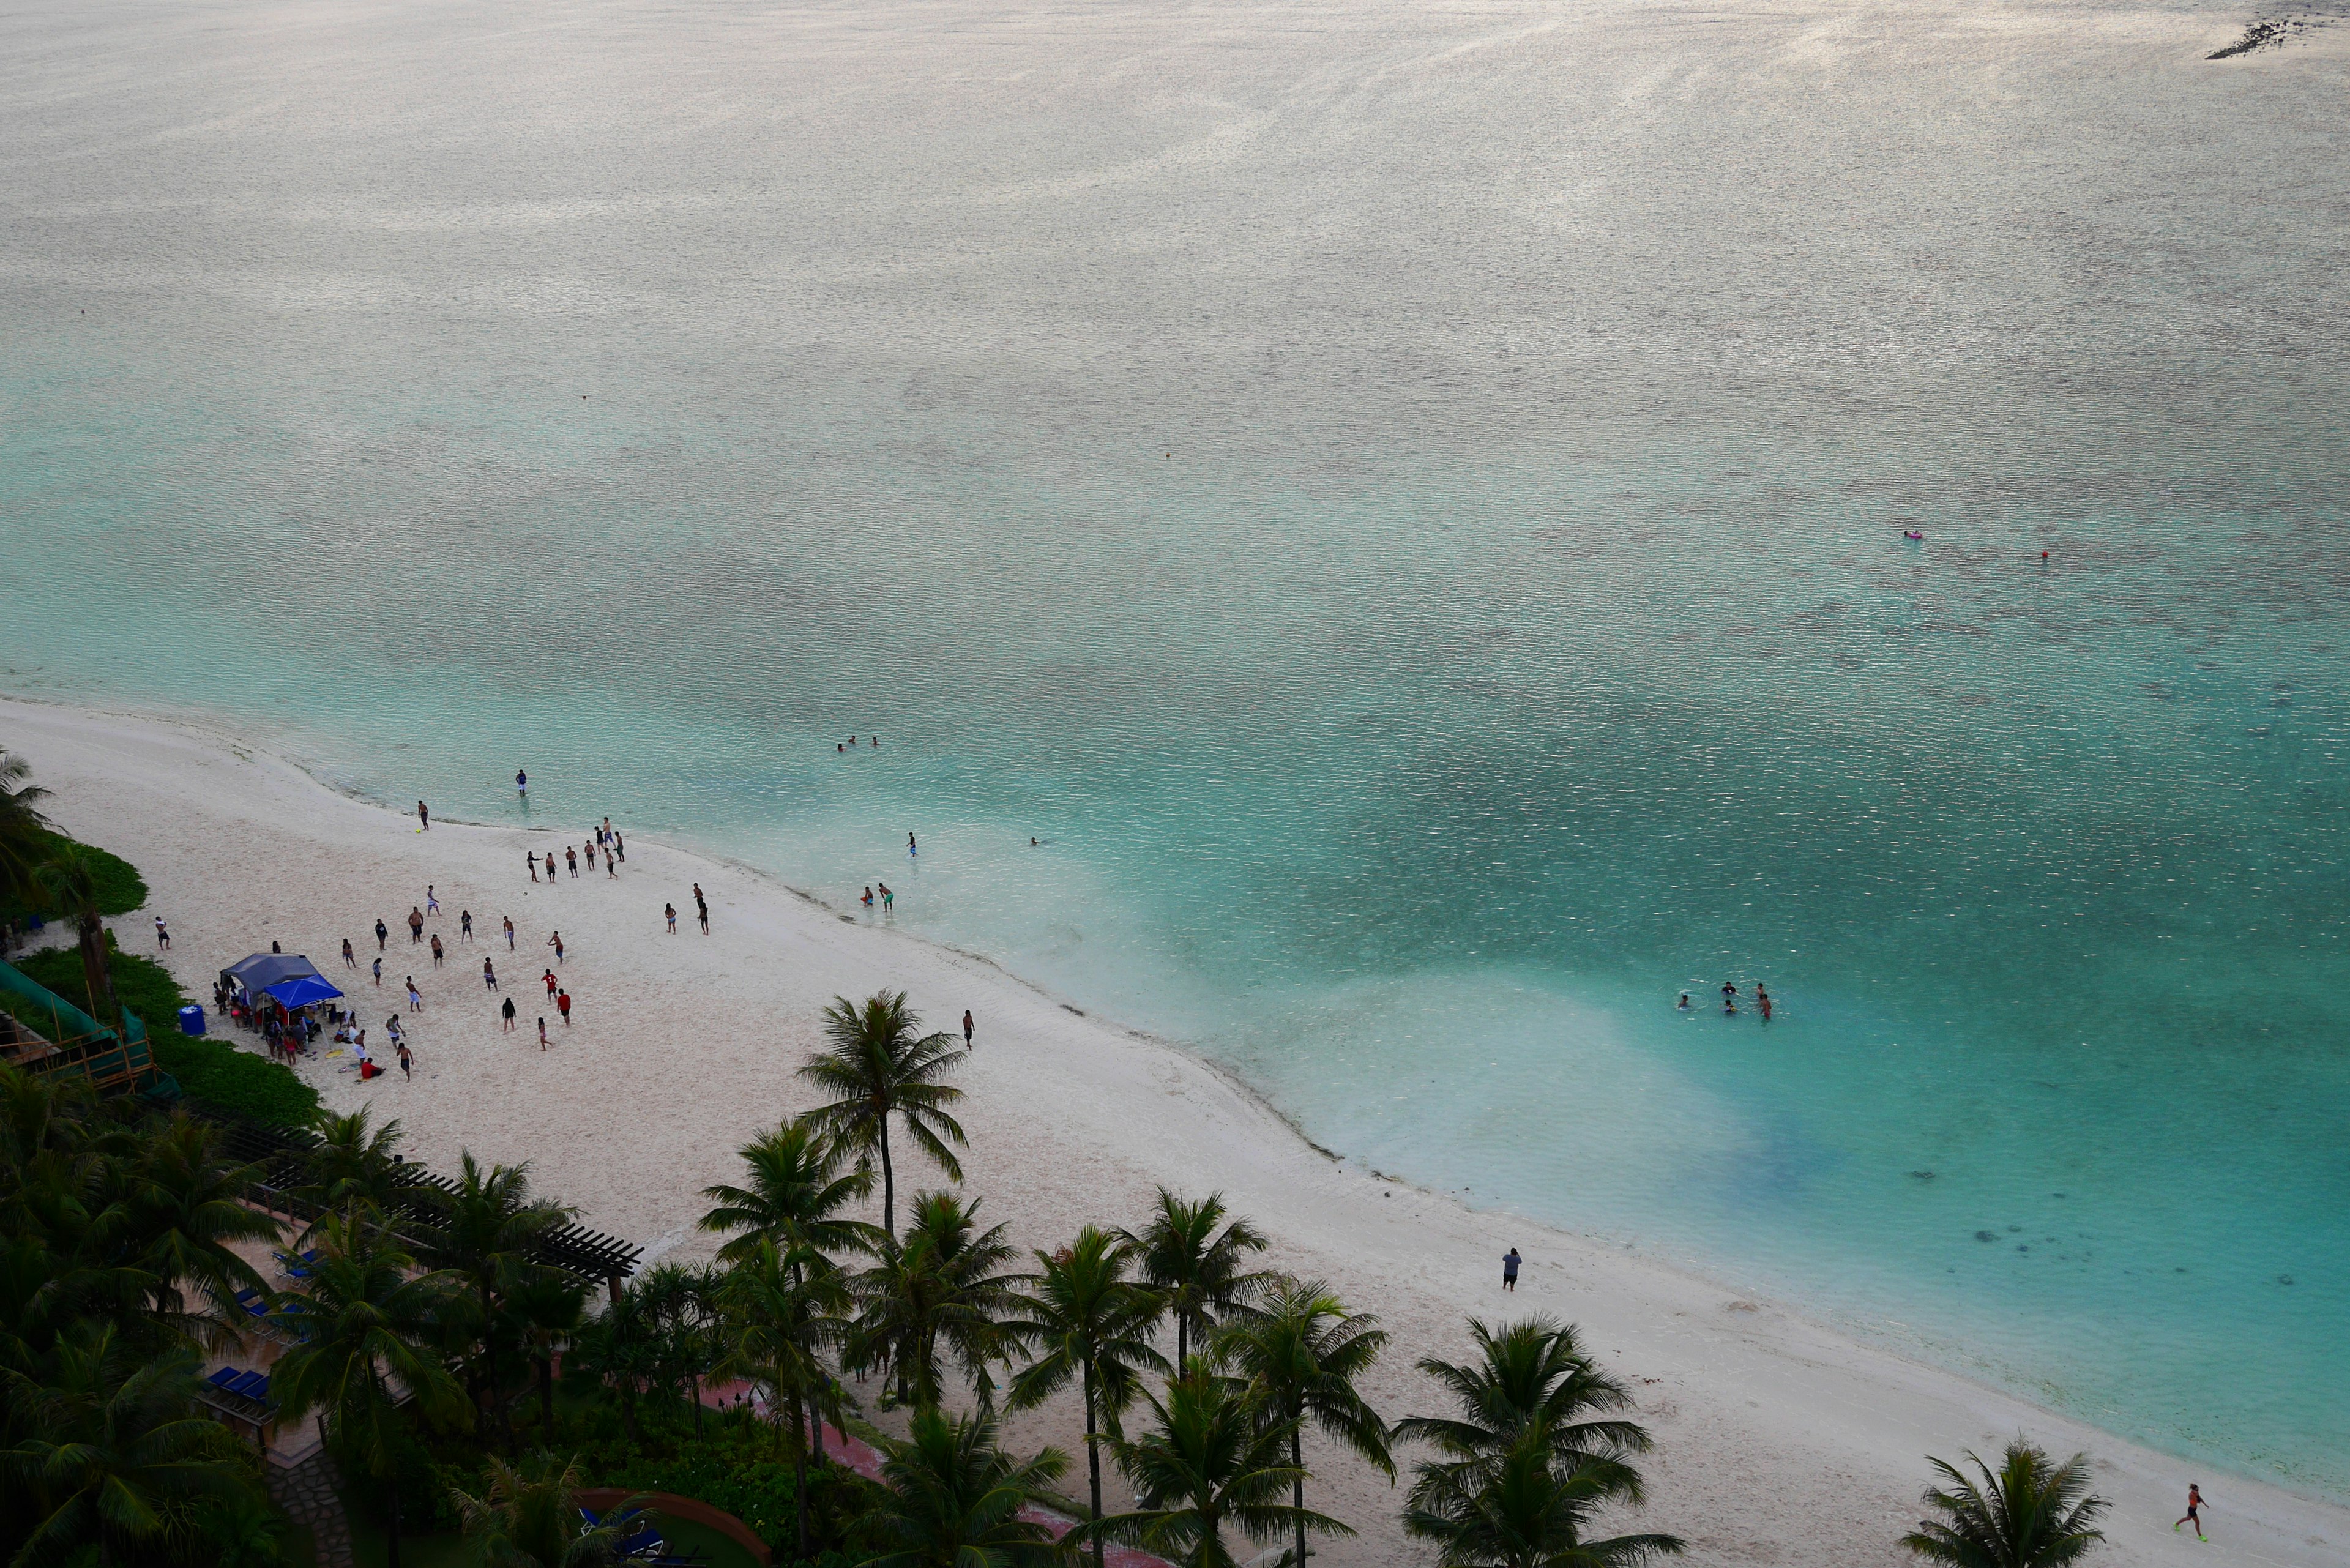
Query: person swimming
1911	533
1684	1001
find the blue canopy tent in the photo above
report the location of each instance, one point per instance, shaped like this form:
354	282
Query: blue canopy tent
262	970
302	990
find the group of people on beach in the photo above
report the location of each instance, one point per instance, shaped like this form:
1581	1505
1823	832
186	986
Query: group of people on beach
606	840
1730	1000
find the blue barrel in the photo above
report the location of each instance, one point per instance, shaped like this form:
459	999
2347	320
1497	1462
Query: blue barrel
191	1020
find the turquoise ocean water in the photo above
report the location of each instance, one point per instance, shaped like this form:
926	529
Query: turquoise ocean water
1406	506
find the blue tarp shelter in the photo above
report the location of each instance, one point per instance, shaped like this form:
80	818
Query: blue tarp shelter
262	970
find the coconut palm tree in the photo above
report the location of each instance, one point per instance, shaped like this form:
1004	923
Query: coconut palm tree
528	1517
941	1288
548	1308
780	1312
1530	1375
679	1302
2029	1513
352	1168
1086	1320
483	1231
881	1067
1524	1508
1214	1460
114	1449
366	1325
1197	1271
23	831
68	880
1301	1352
952	1498
187	1207
797	1183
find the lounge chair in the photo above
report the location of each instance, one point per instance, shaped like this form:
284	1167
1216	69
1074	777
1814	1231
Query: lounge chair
224	1377
251	1385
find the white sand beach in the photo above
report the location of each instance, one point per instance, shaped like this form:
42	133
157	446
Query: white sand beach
1779	1441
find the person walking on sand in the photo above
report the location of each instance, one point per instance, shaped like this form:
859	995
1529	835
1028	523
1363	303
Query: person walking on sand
1509	1270
392	1027
532	860
611	865
509	919
163	937
507	1009
563	1005
437	954
382	935
555	941
702	909
549	978
571	858
2194	1511
415	925
432	900
424	817
619	847
406	1061
489	976
379	968
415	997
465	925
351	960
967	1027
542	1033
670	911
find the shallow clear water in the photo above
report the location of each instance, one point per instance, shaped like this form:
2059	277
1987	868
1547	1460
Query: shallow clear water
1407	507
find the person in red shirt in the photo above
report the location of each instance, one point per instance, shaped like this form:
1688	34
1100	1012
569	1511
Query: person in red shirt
562	1004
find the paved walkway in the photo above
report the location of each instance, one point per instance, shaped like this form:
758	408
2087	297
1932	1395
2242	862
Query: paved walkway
307	1493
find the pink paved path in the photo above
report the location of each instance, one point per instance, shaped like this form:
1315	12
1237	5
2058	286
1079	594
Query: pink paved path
860	1457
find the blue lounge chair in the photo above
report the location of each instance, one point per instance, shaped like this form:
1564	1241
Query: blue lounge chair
250	1385
224	1377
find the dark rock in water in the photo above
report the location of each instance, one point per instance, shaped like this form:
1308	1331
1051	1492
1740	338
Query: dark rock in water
1986	1235
1922	1176
2285	1279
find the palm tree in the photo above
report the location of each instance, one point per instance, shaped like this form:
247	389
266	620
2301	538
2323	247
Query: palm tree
366	1327
68	879
679	1302
620	1345
1197	1271
187	1208
782	1311
23	831
2029	1513
352	1167
794	1191
1214	1460
1086	1321
549	1307
483	1232
528	1517
880	1066
1301	1352
1525	1508
939	1289
115	1449
1530	1376
952	1498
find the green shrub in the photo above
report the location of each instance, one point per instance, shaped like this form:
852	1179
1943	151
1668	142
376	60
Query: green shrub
211	1070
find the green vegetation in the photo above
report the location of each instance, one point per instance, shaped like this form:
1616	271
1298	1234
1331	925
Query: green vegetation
2028	1514
117	887
208	1069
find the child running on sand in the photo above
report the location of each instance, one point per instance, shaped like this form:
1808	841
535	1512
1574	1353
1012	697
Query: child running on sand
669	911
542	1033
2194	1511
